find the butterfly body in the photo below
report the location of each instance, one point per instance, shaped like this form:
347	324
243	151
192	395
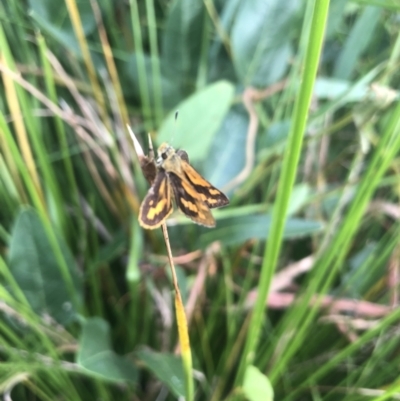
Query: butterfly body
177	179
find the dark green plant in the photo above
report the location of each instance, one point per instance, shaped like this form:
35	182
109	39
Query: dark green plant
309	158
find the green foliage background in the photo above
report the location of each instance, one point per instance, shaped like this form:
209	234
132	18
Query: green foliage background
86	300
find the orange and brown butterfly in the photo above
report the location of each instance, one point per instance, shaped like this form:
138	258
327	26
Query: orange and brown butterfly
177	180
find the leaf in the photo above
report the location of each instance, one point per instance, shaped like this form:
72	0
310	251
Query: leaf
182	41
260	40
220	62
171	93
274	140
300	196
167	368
236	230
335	18
256	385
356	43
342	92
182	283
115	248
200	116
35	268
355	282
53	17
332	88
226	157
95	354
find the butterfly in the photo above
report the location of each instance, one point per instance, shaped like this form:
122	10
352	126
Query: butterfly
177	180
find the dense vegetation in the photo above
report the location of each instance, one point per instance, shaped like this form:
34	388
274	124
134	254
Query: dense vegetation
287	106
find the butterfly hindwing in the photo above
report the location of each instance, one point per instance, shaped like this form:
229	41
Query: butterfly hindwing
157	205
188	201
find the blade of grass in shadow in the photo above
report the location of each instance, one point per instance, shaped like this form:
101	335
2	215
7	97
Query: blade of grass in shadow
80	35
141	66
393	62
11	95
202	71
42	335
289	168
10	176
36	200
155	62
109	58
35	197
133	276
60	129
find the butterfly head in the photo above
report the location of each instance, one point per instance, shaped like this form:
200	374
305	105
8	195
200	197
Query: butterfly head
164	152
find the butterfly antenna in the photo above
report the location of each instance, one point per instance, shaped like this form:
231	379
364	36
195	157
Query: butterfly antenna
176	127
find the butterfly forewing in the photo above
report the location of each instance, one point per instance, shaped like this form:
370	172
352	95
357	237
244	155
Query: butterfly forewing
188	201
157	204
210	195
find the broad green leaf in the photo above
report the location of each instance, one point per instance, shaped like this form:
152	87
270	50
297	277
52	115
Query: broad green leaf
200	116
96	356
226	157
256	385
166	367
273	141
261	41
356	43
341	92
277	133
36	270
332	88
299	197
178	218
237	230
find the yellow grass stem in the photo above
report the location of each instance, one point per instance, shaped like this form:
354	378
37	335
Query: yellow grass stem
22	136
108	55
80	35
182	323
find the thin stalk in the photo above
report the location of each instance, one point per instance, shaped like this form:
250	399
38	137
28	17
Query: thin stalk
182	324
149	171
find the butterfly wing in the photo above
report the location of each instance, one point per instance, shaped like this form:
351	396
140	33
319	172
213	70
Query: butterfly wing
210	195
157	204
188	201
